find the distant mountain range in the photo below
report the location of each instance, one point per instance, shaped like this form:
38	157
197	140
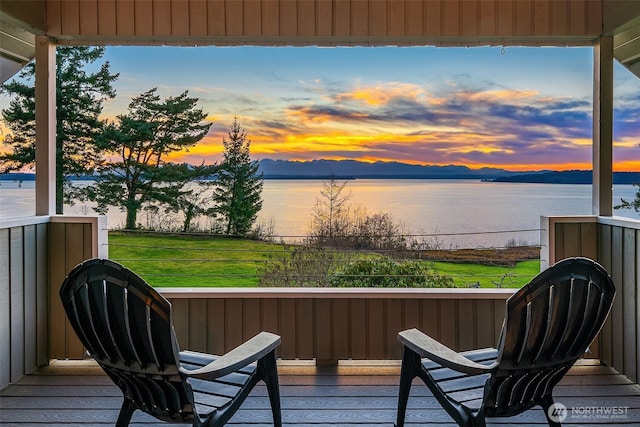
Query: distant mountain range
17	176
352	169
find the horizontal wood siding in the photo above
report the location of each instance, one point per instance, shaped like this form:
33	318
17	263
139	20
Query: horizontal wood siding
23	300
325	22
331	329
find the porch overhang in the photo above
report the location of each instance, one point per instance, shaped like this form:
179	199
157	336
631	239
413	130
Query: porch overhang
610	26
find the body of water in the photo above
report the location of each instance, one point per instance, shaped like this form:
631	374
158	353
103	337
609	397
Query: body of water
462	213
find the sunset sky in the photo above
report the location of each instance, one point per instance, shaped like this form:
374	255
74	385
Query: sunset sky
518	109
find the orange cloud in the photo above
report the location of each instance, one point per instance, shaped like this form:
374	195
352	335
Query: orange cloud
379	95
499	95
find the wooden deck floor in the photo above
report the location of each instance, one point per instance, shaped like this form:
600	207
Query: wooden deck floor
78	394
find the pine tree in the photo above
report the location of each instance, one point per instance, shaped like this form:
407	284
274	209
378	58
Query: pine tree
238	193
79	98
139	141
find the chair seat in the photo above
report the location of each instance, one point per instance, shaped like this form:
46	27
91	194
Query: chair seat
463	389
211	395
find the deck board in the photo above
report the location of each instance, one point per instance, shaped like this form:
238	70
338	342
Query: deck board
68	394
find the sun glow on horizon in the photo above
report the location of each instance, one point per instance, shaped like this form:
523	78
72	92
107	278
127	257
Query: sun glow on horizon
528	110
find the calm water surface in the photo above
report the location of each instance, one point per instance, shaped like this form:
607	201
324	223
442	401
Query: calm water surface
449	208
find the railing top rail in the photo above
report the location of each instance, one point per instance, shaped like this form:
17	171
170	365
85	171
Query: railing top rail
24	221
620	221
338	293
43	219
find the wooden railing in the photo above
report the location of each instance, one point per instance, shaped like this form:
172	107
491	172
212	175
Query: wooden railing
615	243
333	324
34	253
322	324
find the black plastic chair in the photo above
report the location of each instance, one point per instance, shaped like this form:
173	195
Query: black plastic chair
549	324
126	325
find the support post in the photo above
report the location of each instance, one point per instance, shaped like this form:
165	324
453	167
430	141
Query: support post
45	126
602	196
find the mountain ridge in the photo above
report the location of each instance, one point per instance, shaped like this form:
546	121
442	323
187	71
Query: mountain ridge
357	169
354	169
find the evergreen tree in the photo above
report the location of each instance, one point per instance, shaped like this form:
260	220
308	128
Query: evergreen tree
79	98
634	204
238	194
138	142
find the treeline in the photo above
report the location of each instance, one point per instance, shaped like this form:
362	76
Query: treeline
568	177
128	156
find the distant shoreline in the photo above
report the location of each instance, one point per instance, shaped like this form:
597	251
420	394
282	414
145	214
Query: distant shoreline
544	177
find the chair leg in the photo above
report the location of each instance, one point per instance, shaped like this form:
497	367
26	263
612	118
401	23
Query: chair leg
126	412
547	403
270	376
479	421
410	363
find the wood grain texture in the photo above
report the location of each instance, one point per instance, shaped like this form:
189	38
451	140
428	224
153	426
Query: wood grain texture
5	315
180	23
541	17
16	298
125	18
107	15
89	17
74	235
617	319
628	295
64	395
396	18
216	18
469	18
30	299
299	21
335	329
288	18
42	295
162	18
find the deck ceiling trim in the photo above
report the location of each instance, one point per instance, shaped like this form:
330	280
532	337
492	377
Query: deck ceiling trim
326	41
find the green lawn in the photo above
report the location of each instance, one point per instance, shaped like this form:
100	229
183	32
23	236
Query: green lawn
183	261
488	275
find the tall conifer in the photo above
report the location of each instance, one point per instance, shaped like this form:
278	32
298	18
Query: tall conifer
238	193
79	98
138	144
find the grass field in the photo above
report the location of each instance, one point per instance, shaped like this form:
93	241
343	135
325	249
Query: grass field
203	261
488	276
183	261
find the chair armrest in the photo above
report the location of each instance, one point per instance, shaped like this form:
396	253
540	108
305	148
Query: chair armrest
241	356
427	347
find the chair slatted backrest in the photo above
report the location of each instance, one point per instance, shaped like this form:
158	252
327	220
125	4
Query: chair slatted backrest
549	324
126	325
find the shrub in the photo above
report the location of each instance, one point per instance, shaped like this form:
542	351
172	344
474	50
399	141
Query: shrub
304	266
387	273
